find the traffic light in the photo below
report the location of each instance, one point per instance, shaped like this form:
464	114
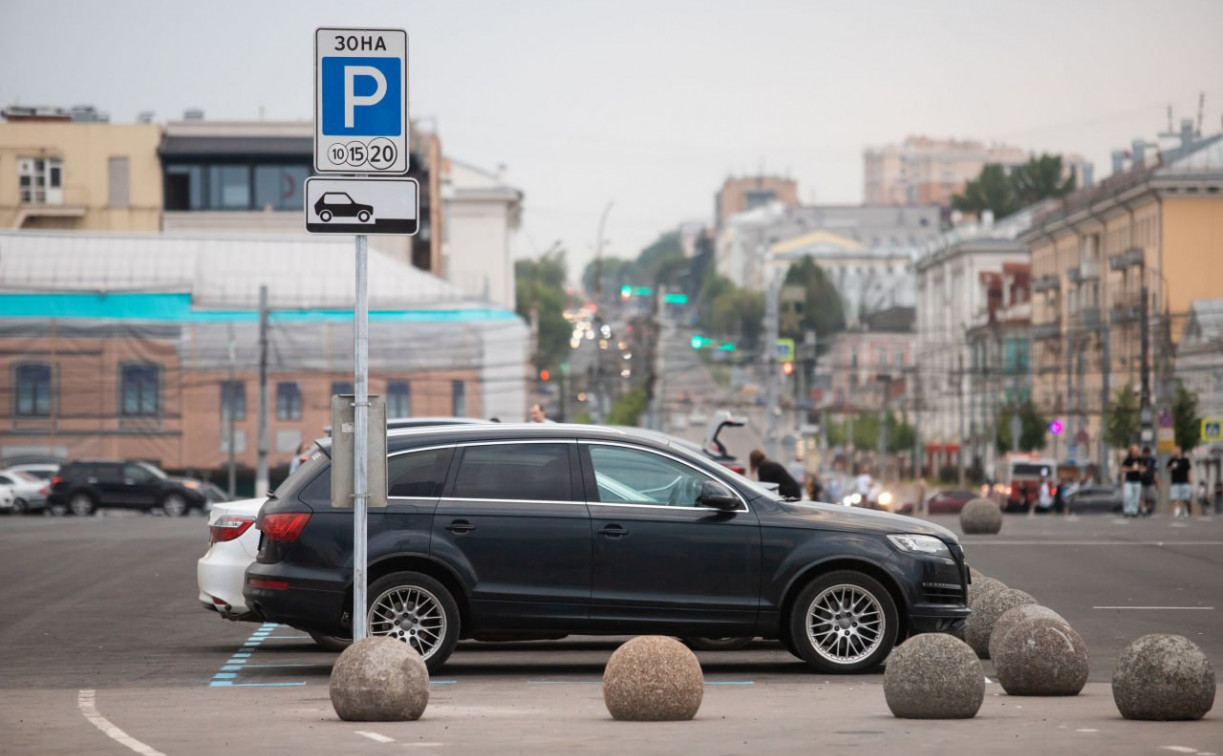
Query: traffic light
787	368
544	375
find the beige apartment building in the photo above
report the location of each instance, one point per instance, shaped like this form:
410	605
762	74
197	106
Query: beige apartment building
1156	228
925	171
57	173
738	195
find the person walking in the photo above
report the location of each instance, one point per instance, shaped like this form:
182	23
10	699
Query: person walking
1203	498
768	471
1150	471
1132	467
1219	498
1180	492
538	415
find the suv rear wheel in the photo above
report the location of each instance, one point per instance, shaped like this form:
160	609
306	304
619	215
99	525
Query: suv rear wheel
81	504
175	505
844	621
418	610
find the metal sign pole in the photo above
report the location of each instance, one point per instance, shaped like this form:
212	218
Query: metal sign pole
360	487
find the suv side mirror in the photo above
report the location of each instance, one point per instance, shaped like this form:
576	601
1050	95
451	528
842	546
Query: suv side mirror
716	496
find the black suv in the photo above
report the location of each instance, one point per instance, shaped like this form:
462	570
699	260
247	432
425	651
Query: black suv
83	487
498	531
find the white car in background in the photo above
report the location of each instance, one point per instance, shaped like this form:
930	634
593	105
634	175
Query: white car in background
25	492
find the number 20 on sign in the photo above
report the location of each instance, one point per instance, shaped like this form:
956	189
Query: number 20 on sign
361	101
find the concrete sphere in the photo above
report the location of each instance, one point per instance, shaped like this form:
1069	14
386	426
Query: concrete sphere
985	612
1163	677
933	676
1040	656
980	516
975	573
1013	617
981	586
379	679
653	678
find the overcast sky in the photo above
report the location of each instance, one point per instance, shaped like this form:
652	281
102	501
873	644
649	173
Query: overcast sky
652	104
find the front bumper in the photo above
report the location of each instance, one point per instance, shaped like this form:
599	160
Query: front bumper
933	618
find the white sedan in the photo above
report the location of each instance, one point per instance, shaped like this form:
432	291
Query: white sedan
21	492
233	543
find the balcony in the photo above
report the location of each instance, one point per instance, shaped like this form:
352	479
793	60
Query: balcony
1087	271
1089	317
1046	331
1046	283
1131	257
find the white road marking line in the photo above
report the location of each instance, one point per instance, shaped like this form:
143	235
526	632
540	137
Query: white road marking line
1086	729
422	745
1092	543
374	736
988	681
1161	608
87	702
1180	749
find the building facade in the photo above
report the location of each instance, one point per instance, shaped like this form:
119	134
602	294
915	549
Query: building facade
739	195
482	211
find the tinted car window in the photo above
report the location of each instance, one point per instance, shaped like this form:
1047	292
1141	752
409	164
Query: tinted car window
515	471
418	473
634	476
137	474
107	473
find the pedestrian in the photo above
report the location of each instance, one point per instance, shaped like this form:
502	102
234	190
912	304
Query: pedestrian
1132	467
1059	498
538	415
1045	494
921	496
299	456
1219	498
1203	498
768	471
1150	471
1180	472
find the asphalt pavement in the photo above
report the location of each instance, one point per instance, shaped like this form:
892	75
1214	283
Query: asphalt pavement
105	650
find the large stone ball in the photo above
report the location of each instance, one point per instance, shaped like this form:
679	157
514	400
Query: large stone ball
653	678
933	676
1041	656
379	679
981	586
980	516
1013	617
1163	677
985	612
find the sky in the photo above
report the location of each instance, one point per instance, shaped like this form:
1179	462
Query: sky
651	105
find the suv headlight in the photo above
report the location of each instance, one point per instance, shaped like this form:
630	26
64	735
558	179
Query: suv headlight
920	544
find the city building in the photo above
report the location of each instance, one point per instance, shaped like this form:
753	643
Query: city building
482	210
866	367
953	291
739	195
142	346
72	170
1199	366
925	171
1115	270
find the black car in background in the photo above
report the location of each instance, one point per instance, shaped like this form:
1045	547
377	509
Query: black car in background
81	488
1094	499
548	529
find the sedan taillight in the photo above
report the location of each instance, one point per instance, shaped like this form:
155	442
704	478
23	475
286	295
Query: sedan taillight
284	526
229	527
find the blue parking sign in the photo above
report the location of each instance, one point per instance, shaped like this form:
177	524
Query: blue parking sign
361	97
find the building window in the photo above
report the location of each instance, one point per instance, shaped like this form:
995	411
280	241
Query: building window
40	181
229	187
118	182
236	186
233	400
184	187
758	197
288	401
900	357
339	388
398	399
881	357
33	395
279	187
139	387
458	399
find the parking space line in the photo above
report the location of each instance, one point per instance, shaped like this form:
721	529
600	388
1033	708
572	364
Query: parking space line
374	736
227	676
87	702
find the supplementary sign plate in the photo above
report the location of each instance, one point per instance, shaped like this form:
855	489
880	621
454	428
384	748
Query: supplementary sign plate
362	205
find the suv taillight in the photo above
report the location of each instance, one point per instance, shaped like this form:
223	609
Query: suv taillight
56	480
229	527
284	526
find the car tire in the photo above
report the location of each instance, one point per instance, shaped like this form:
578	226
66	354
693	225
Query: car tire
175	505
717	644
363	216
331	642
325	216
388	607
19	506
82	505
783	638
844	622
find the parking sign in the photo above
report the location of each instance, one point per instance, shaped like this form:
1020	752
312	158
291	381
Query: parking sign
361	101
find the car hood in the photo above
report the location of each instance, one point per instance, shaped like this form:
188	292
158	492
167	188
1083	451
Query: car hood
819	515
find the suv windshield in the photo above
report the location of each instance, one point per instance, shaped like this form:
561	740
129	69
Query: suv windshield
153	470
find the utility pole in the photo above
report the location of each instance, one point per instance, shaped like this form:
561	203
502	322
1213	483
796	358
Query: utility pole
885	380
959	391
772	379
1105	369
1148	433
261	460
230	432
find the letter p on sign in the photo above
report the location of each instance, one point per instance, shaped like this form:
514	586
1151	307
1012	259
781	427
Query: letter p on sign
361	97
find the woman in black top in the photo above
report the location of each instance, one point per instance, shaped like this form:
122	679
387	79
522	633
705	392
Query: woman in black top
768	471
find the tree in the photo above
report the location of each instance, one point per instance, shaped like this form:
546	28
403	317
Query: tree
627	408
1040	178
1005	192
1032	427
617	272
991	190
823	311
1121	418
1185	421
540	284
738	313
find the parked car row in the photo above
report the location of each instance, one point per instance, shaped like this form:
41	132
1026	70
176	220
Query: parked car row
83	487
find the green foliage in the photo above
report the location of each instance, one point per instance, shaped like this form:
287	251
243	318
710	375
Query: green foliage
628	407
738	314
1121	419
822	309
541	284
582	417
1185	421
617	272
901	435
1005	193
1032	427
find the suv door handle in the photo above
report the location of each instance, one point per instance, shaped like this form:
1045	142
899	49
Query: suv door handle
460	527
613	531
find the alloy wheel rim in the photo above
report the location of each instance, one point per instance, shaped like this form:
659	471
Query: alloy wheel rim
173	505
845	624
409	614
81	505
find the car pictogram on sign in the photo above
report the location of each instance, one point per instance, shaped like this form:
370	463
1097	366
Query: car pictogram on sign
340	205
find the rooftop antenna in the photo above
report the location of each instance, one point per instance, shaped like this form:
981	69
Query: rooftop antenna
1201	108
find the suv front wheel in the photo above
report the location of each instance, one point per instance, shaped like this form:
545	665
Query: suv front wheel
843	622
418	610
175	505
